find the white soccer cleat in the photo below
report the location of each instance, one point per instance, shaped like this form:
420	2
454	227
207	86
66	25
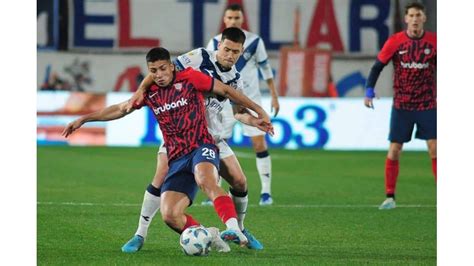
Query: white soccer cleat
388	204
217	243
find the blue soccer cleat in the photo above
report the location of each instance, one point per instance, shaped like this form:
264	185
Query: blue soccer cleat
236	236
253	242
133	245
265	199
388	204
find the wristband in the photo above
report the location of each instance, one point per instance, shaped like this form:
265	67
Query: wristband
370	93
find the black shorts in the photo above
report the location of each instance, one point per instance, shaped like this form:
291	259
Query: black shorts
402	123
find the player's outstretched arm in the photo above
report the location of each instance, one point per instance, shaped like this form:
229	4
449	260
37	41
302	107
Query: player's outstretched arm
239	98
241	114
112	112
139	95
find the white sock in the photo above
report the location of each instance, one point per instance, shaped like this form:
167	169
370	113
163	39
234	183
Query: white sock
264	167
240	207
232	223
150	206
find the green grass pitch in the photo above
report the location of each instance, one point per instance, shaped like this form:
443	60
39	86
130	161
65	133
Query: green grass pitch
324	212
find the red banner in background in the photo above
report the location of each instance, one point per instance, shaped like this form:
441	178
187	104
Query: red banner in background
305	72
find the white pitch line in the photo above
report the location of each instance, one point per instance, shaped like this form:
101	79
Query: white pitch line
250	205
248	155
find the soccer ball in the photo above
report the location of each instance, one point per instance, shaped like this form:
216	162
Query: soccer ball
195	241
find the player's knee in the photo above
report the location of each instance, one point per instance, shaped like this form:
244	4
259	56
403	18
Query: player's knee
394	155
432	152
432	149
394	151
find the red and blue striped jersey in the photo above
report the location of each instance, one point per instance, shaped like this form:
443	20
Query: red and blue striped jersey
414	62
180	111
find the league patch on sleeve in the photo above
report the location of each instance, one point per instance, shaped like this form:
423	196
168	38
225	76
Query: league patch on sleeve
186	59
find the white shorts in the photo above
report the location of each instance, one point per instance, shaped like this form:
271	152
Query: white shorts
224	149
228	122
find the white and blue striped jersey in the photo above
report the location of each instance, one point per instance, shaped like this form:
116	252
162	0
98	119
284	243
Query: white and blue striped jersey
253	59
205	61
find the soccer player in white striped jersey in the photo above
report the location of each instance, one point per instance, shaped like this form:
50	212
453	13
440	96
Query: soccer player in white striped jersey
253	59
220	65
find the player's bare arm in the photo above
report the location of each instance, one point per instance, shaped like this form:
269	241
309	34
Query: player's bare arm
112	112
275	104
239	98
138	96
244	116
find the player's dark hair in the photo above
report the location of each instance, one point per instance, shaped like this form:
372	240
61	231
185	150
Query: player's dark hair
158	53
415	5
234	34
233	7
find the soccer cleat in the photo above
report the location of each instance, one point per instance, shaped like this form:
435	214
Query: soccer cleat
265	199
207	202
133	245
388	204
253	242
217	243
236	236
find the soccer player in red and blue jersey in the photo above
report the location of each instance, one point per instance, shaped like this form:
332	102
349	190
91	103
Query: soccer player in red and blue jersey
177	102
413	53
220	65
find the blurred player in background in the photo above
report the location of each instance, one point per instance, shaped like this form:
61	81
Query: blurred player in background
177	101
220	65
253	59
413	53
